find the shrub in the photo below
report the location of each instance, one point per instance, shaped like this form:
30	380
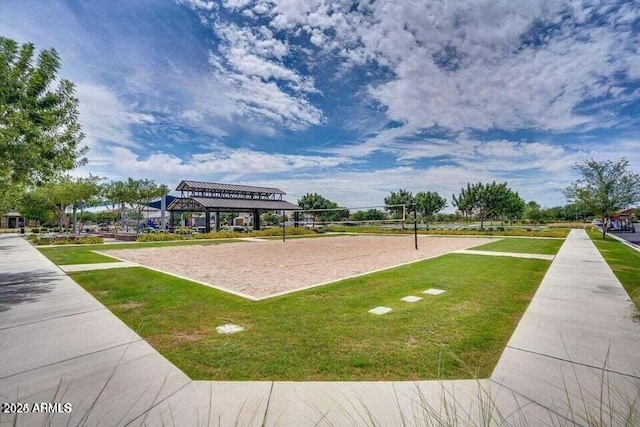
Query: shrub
89	240
183	231
35	230
161	237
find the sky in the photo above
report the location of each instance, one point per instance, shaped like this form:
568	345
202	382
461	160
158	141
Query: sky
349	99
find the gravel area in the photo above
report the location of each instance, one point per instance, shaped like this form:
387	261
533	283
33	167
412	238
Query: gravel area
270	267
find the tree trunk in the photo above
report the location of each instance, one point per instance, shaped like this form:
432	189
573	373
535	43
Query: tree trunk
75	219
60	217
604	228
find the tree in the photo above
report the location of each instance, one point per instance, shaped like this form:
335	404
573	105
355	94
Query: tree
533	212
137	194
466	201
604	188
39	131
429	203
59	195
489	200
368	215
335	214
513	207
84	193
270	218
33	206
394	200
313	202
114	195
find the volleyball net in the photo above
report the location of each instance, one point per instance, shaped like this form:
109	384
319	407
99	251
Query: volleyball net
380	215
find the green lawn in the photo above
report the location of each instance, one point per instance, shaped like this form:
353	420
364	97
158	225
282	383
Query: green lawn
326	333
72	254
526	246
624	261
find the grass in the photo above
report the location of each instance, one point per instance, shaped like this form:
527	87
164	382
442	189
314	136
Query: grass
69	255
526	246
464	231
326	333
624	261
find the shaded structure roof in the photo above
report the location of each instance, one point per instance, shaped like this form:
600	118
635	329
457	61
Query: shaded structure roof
214	187
157	204
198	204
198	196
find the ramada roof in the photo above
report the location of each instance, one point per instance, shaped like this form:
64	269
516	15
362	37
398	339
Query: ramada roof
214	186
224	204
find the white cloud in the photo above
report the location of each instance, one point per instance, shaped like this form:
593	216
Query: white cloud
252	82
221	163
198	4
104	117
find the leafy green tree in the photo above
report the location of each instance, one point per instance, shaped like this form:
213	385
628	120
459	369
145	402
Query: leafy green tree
490	198
429	203
513	207
114	196
334	213
394	200
137	194
65	192
466	201
604	188
368	215
85	193
270	218
39	131
312	202
487	201
533	211
33	205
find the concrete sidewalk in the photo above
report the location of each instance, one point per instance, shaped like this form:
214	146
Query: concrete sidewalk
578	337
57	343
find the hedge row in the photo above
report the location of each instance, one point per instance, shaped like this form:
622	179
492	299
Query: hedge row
163	237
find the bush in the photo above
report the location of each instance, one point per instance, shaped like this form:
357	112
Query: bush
89	240
161	237
183	231
35	230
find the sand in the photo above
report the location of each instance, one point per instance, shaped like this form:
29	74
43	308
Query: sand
261	269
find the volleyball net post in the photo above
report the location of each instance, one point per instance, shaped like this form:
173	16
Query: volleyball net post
415	224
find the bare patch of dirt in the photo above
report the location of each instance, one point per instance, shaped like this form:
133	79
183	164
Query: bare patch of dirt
188	337
128	306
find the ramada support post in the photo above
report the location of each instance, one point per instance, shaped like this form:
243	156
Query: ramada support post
207	220
256	219
296	219
217	220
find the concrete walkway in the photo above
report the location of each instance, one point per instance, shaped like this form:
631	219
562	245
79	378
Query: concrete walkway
97	266
578	337
507	254
58	344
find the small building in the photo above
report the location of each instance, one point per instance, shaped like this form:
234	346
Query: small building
11	219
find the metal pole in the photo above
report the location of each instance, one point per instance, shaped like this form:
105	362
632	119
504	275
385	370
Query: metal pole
415	227
163	212
283	230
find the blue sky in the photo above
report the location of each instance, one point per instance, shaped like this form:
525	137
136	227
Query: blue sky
348	99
